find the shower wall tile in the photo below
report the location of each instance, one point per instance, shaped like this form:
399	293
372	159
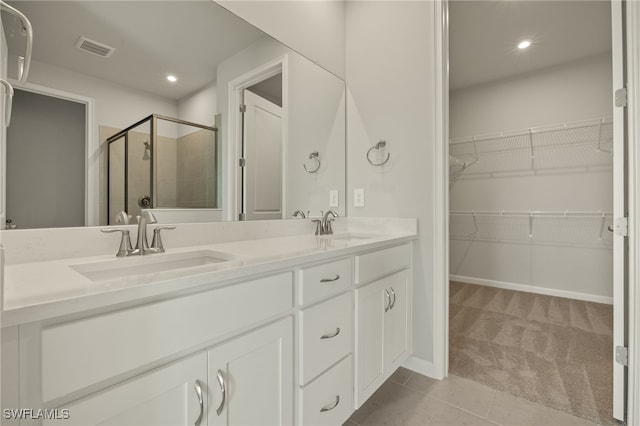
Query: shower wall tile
166	176
197	178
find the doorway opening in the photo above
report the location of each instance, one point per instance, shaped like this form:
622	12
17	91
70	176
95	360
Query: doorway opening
258	140
261	195
45	166
531	178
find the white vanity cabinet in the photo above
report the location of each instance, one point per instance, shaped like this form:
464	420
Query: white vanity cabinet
245	381
130	361
251	378
325	344
303	344
383	315
171	395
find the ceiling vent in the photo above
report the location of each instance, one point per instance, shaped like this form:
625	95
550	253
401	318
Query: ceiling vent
94	47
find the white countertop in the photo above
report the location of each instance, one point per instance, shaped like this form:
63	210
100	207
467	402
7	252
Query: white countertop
41	290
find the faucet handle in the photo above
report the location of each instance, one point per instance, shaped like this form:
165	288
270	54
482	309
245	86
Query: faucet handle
125	242
318	223
156	243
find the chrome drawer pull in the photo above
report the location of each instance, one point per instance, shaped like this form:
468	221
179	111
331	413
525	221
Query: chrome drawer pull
329	336
393	293
328	280
388	296
223	389
198	389
331	406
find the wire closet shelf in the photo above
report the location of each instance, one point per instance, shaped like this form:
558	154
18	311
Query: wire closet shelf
581	144
568	228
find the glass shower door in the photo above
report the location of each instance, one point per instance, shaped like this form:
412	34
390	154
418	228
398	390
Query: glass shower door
117	178
139	168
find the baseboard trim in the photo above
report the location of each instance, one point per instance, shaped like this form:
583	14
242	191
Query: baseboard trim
419	365
533	289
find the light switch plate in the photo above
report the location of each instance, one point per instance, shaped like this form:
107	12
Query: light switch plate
334	198
358	197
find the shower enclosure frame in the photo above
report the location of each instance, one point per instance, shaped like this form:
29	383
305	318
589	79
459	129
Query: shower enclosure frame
153	133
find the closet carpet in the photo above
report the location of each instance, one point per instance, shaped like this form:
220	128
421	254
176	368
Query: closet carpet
546	349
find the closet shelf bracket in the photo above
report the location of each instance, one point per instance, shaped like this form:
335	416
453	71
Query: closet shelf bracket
602	223
531	148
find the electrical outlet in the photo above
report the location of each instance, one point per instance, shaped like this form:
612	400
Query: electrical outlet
334	198
358	197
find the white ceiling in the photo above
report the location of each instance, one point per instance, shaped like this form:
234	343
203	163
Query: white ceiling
189	38
151	38
484	34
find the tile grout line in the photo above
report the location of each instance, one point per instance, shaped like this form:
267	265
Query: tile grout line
451	404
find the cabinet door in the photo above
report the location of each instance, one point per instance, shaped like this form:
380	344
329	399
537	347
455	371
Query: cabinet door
396	324
371	301
165	396
251	378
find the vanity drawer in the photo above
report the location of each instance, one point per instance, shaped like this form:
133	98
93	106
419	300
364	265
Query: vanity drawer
334	386
324	280
325	335
382	262
81	353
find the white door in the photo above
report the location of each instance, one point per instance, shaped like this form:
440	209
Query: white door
263	153
166	396
3	105
3	130
619	212
251	378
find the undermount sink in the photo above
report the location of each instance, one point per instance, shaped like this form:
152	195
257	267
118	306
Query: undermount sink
348	237
149	264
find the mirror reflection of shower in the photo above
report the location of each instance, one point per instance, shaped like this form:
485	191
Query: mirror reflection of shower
179	167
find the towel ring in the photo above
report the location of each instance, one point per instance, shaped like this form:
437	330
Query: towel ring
379	145
313	156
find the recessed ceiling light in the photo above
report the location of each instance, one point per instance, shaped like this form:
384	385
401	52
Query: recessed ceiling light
524	44
172	78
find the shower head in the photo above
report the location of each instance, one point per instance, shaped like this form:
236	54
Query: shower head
147	151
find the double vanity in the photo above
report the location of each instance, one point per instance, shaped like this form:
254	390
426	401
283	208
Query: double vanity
236	323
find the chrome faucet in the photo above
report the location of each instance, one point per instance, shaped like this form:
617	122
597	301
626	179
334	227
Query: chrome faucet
326	221
142	244
323	226
299	213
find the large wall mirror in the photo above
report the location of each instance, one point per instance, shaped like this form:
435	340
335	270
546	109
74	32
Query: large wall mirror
177	106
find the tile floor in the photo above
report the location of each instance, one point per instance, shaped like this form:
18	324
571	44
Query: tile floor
409	398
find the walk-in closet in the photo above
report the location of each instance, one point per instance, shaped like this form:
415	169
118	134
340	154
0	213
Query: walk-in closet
531	201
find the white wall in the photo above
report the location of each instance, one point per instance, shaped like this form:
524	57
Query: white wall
315	106
390	79
314	28
579	91
200	107
574	91
116	105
